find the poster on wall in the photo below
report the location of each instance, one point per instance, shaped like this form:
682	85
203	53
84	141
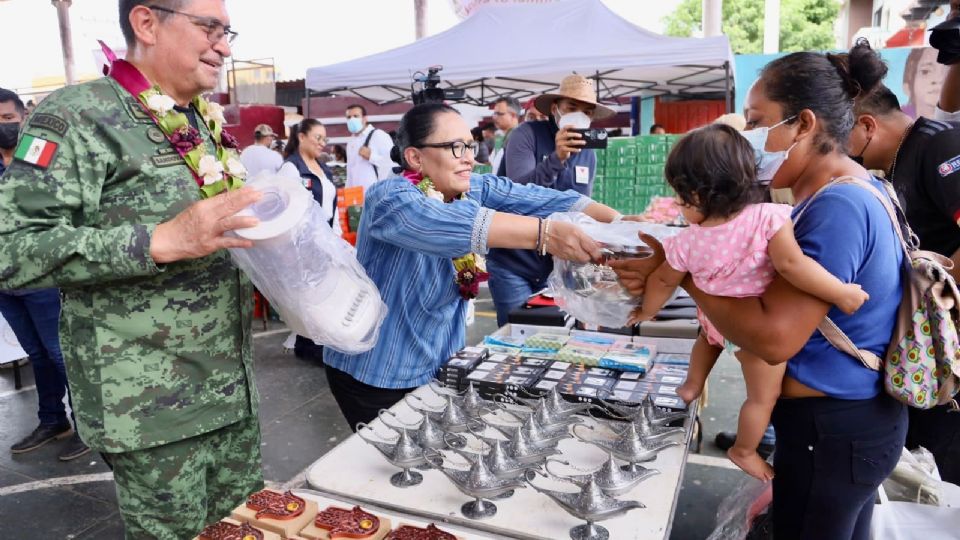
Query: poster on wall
10	349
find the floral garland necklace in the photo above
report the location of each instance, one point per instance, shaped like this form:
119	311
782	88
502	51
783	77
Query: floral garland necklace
214	173
469	268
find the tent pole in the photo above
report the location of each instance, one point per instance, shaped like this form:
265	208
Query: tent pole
729	93
596	81
306	109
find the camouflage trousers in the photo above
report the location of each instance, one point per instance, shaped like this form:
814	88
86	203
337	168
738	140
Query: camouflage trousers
173	491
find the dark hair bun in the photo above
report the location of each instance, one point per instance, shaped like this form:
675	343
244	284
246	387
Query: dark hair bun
861	69
395	155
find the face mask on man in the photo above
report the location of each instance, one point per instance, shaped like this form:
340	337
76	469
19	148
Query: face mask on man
859	157
768	163
8	134
577	119
354	125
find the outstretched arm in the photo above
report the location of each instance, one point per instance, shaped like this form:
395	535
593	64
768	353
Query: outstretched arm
660	286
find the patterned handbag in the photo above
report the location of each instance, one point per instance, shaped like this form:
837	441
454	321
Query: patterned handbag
921	367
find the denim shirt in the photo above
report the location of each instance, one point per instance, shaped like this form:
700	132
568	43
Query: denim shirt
406	244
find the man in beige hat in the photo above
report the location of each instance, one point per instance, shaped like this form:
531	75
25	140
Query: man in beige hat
259	156
547	153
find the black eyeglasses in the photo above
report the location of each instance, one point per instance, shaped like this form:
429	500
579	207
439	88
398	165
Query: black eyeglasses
216	30
457	148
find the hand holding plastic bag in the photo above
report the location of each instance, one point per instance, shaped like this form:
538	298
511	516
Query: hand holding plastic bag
311	276
590	291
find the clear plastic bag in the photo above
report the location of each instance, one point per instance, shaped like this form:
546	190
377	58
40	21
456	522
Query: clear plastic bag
309	275
915	478
591	292
738	510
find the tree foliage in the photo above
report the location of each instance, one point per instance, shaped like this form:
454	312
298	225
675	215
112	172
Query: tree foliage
804	24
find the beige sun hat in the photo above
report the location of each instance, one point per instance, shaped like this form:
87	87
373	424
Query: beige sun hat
576	87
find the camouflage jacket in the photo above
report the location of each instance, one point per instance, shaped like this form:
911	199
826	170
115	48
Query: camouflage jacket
154	354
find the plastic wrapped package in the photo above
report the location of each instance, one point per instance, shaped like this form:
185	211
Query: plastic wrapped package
311	276
739	510
915	478
591	292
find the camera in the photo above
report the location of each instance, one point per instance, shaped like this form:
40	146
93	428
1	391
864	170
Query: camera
594	137
430	92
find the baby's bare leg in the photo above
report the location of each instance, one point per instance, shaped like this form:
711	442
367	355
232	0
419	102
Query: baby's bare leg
702	359
763	388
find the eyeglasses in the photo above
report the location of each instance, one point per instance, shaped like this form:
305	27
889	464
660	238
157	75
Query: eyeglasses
320	140
457	148
216	30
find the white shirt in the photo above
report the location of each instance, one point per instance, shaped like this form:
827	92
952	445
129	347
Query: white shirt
258	158
329	204
944	116
360	171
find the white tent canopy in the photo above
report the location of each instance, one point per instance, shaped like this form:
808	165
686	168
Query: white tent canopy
526	49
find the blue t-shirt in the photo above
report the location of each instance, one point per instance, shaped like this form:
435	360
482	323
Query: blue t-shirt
848	231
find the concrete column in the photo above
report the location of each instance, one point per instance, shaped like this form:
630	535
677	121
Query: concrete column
771	26
66	37
712	17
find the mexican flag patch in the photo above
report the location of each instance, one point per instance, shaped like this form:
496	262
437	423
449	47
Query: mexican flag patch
35	151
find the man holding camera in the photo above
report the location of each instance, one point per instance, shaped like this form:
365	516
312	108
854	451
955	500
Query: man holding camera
552	154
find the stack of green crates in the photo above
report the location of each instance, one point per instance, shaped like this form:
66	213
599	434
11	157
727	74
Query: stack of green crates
630	172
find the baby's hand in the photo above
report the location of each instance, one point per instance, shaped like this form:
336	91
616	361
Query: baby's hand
639	316
852	298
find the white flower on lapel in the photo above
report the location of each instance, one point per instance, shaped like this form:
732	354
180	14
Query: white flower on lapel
236	168
160	104
210	169
215	113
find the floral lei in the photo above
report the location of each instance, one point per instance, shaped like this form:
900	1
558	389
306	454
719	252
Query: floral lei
213	173
469	268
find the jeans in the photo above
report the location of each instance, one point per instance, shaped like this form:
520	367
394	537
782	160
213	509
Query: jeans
830	457
769	436
509	290
35	319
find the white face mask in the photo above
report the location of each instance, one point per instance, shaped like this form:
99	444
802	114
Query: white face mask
578	119
768	163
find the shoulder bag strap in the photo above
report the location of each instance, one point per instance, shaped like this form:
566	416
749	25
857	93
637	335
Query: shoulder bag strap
366	143
833	334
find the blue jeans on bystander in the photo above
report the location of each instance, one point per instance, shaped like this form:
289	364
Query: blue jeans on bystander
34	317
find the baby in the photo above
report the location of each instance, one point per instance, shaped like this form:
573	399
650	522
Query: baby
732	248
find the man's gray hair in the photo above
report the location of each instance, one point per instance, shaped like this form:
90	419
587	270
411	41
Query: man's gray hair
512	103
126	6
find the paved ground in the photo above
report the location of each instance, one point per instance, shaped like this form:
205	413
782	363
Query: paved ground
41	497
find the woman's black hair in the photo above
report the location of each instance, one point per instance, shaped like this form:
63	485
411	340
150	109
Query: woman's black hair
714	170
293	143
826	84
415	128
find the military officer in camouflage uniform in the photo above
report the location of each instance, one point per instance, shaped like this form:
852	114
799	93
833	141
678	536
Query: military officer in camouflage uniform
156	319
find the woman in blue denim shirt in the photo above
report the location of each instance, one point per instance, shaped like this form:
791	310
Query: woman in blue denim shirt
407	241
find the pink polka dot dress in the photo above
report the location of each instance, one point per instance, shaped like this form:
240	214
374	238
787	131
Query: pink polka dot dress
729	259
